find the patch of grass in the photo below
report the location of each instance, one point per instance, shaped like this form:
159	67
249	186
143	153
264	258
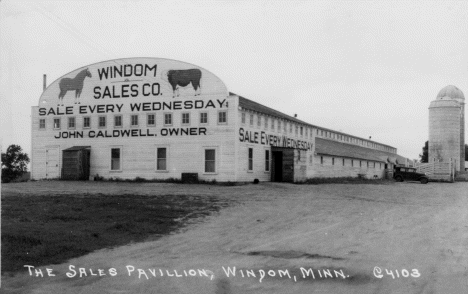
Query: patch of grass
41	230
345	180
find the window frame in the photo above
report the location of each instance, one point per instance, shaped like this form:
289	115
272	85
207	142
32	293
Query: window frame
89	122
166	147
148	120
250	159
225	117
115	121
168	114
59	125
120	148
70	119
137	120
99	121
267	160
201	116
215	165
187	114
42	124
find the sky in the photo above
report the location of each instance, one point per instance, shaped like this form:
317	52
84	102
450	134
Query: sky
363	68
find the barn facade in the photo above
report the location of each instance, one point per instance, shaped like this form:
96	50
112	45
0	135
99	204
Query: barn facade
157	119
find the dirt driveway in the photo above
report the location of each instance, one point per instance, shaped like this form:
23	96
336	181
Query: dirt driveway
282	238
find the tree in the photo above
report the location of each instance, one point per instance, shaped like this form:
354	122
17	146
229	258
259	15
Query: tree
14	163
425	154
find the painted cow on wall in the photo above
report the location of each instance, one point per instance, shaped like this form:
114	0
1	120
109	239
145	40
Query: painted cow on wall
75	84
182	78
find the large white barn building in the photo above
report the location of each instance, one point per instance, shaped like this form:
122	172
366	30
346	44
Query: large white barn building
158	118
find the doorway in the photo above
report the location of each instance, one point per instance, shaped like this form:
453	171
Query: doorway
277	174
283	165
52	162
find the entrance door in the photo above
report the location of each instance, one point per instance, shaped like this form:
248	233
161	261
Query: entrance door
277	166
52	162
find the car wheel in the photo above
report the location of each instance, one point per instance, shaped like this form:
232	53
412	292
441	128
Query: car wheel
399	178
424	180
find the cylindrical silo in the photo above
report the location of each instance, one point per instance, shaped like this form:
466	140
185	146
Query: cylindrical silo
446	127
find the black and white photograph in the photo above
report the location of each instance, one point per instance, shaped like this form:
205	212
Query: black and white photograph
227	147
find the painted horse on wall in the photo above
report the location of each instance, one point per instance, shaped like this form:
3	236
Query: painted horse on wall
75	84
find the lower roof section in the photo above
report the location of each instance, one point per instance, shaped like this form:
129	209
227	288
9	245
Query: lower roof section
334	148
75	148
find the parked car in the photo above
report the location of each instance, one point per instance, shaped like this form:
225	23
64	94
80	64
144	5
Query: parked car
401	174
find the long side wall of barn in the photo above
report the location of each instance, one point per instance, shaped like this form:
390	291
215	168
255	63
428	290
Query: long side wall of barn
332	167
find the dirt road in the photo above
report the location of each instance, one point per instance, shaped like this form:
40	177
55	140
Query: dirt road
293	238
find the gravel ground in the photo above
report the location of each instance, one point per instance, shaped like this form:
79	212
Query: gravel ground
281	233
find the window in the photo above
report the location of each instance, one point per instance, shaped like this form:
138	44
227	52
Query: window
266	122
272	124
285	127
185	118
151	119
71	122
333	161
203	118
290	128
297	130
102	121
117	121
250	159
321	159
302	131
259	121
161	159
243	118
42	123
115	159
267	160
374	164
352	162
343	162
321	133
279	126
360	163
367	164
168	119
251	119
56	123
222	117
86	122
210	160
134	120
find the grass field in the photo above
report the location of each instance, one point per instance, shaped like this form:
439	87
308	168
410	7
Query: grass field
43	230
